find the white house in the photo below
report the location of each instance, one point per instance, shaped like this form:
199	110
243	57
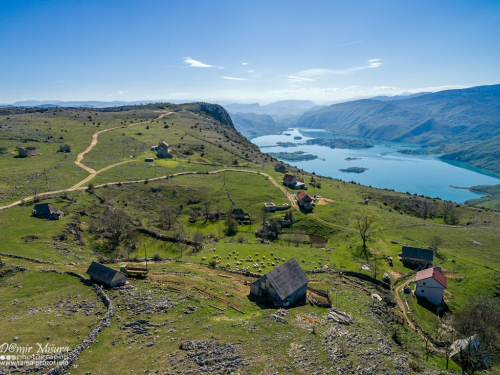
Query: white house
430	284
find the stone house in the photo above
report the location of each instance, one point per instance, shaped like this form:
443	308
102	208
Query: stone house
305	201
284	285
430	284
163	150
46	211
106	276
279	167
25	152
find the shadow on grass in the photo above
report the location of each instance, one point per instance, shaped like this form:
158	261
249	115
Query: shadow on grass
266	304
431	307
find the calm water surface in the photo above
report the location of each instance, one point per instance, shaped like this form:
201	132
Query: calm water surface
421	174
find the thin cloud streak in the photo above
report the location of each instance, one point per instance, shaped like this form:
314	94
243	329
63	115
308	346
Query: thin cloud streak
299	79
348	44
326	72
235	79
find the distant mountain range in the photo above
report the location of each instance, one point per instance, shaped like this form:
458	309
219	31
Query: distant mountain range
84	103
445	117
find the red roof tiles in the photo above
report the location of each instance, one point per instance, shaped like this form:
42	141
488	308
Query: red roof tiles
432	273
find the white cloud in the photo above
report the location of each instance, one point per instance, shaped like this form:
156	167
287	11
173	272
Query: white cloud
195	63
385	88
244	63
299	79
235	79
122	92
250	71
326	72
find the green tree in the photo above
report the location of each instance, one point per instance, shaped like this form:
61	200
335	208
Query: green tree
367	224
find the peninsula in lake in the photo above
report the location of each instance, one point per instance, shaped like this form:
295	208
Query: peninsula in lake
340	143
293	156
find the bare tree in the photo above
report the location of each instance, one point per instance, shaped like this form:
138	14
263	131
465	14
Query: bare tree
298	236
198	239
206	209
450	212
479	327
115	227
435	243
263	215
367	224
180	232
194	215
427	208
167	216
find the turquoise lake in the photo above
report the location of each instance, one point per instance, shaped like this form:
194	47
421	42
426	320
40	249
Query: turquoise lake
421	174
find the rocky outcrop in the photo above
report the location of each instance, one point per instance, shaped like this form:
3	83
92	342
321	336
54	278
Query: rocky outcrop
217	112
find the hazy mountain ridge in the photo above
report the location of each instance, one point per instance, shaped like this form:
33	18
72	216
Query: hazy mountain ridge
451	116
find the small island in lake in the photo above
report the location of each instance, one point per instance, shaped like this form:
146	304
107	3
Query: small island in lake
339	143
286	144
293	156
415	152
351	159
353	170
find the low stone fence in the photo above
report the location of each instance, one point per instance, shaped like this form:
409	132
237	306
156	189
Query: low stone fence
72	356
13	268
26	258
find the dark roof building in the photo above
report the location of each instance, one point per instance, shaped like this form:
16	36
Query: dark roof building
418	255
284	285
46	211
107	276
280	168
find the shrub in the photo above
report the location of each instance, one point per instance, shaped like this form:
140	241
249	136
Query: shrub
156	257
396	337
212	263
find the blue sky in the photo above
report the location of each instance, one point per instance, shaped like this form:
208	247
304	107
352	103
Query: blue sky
244	51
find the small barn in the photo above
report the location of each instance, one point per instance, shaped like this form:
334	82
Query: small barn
239	214
415	255
279	167
104	275
270	207
284	285
25	152
46	211
163	150
430	284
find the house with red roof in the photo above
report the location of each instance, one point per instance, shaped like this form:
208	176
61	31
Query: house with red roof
430	284
305	201
293	182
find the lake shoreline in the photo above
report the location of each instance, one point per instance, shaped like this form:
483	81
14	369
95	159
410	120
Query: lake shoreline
386	168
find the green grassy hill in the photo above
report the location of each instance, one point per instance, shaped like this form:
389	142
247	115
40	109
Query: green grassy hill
175	211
